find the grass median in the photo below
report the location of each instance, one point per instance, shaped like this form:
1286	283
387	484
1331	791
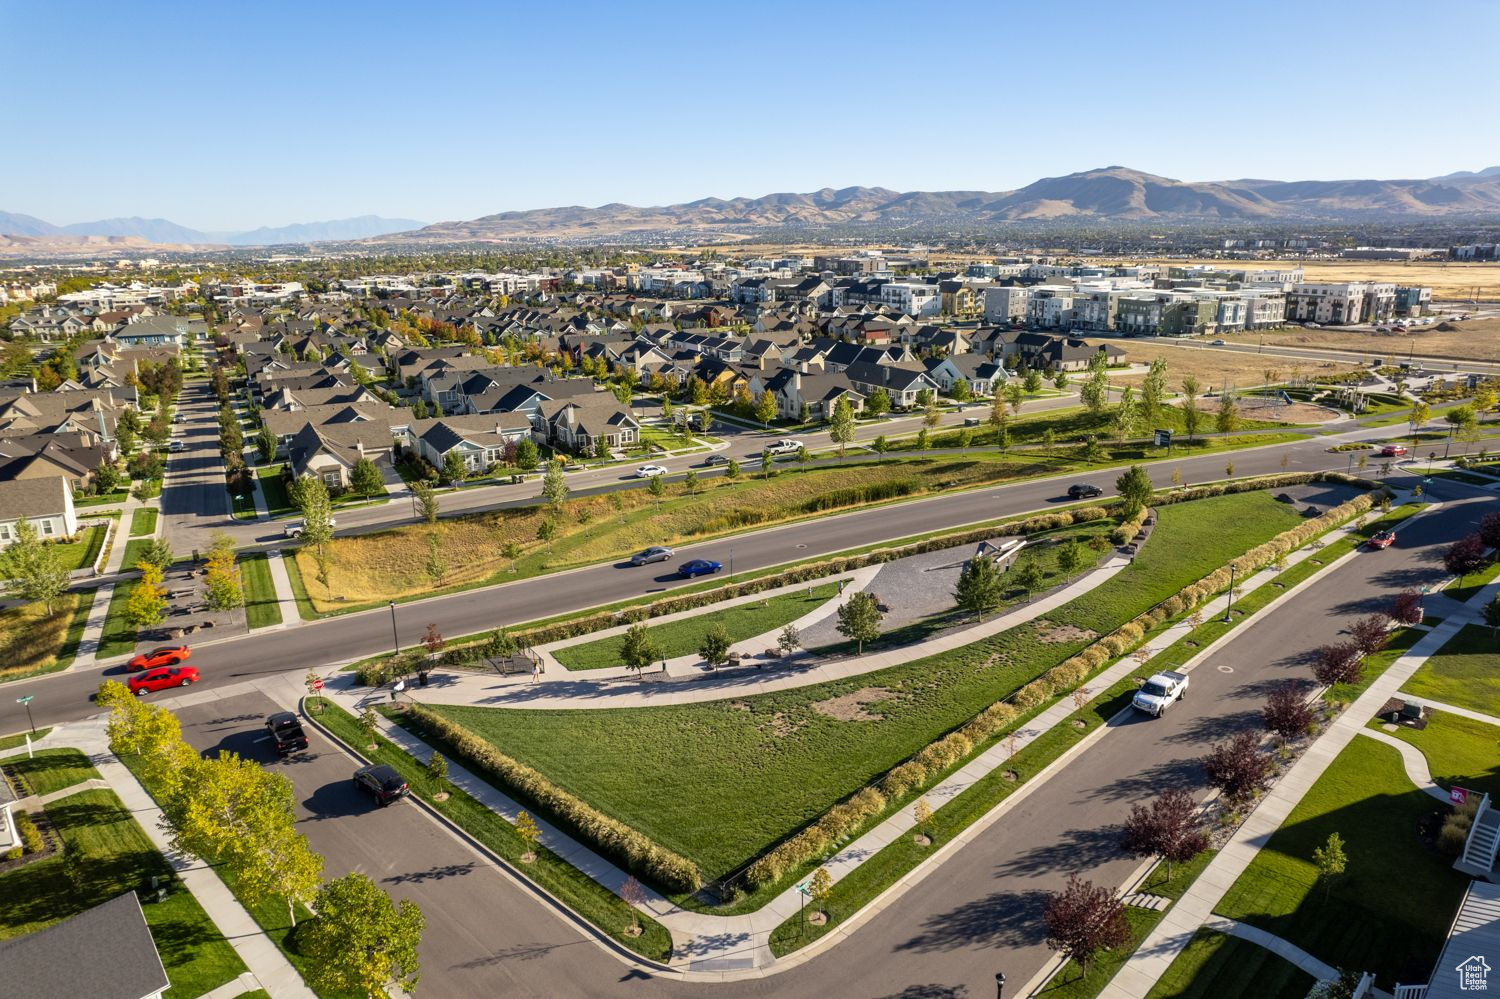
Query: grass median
262	609
575	889
143	522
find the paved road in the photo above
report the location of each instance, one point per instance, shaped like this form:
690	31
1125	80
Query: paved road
485	936
194	502
337	640
975	915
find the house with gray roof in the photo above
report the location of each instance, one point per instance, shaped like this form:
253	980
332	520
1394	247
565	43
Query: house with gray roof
479	440
106	952
46	502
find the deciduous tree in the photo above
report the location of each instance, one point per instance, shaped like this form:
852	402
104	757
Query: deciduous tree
980	587
35	571
1407	607
147	604
714	648
1338	662
427	501
1227	419
554	486
878	404
1135	489
1465	556
317	521
639	649
841	427
1331	861
361	942
1169	828
1095	389
1370	634
1154	391
1286	712
859	620
529	833
365	478
1084	919
1190	413
1238	767
224	589
1028	575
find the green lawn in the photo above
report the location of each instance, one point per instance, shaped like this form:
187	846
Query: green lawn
143	522
1459	750
1464	673
1467	588
19	739
684	774
80	554
679	638
1218	966
1390	911
52	770
103	499
261	606
118	858
575	889
278	503
119	636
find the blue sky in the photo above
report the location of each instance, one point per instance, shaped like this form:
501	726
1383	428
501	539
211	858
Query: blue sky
223	116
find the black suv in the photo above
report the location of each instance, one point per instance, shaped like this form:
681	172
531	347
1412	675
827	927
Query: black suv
381	781
1084	491
286	732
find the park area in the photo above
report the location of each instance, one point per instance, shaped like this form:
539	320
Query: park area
720	782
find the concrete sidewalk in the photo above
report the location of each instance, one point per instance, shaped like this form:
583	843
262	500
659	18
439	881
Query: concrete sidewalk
1169	937
286	597
93	628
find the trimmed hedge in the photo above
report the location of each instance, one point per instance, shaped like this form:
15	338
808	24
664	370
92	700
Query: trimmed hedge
845	818
1130	527
610	837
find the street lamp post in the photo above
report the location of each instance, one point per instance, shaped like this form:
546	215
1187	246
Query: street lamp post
395	638
731	561
1233	568
999	985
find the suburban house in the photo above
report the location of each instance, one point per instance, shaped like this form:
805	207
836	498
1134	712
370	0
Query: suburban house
75	456
480	441
8	836
1060	353
106	951
329	451
578	425
47	503
982	375
903	383
160	331
820	393
285	425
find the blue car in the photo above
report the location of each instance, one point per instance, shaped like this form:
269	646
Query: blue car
698	567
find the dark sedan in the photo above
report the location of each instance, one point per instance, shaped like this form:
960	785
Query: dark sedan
698	567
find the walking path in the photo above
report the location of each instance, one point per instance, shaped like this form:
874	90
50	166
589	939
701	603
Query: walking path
268	966
1170	936
93	628
1454	709
282	582
721	948
1412	761
122	535
1276	945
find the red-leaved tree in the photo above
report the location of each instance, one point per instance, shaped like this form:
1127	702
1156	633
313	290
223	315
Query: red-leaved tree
1464	556
1489	529
1286	712
1238	768
1083	919
1407	607
1370	634
1168	828
1338	663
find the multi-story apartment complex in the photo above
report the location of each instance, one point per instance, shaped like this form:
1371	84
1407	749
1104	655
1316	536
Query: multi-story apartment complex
1340	304
1005	304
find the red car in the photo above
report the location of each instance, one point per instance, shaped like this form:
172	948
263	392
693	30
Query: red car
162	678
1382	540
167	655
1392	451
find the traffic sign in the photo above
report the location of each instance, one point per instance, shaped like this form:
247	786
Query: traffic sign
318	684
26	699
804	889
1163	438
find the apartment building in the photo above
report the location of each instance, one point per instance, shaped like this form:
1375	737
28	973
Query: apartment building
1050	307
911	297
1341	304
1005	305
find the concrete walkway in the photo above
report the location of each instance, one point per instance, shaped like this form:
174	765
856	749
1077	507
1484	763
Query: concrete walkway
1170	936
122	538
1276	945
286	597
93	628
1454	709
269	969
692	664
1412	761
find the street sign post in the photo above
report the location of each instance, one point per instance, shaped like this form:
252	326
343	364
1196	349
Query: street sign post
803	891
27	701
1164	439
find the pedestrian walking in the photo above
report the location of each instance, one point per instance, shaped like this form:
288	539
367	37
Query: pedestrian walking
536	670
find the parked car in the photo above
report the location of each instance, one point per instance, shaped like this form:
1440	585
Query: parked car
1383	539
655	554
1393	451
1084	490
716	459
786	446
698	567
1312	326
381	782
1159	692
286	732
176	445
1220	343
167	655
649	471
295	528
162	678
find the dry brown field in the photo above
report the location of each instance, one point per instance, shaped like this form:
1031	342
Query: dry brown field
1474	340
1216	368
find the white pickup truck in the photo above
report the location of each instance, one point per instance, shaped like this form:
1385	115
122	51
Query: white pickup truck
1158	693
295	528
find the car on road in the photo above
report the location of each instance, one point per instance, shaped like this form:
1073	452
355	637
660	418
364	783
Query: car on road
295	528
1312	326
1084	490
286	732
1393	451
785	446
166	655
658	553
176	445
649	471
381	782
1220	343
162	678
716	459
1159	692
698	567
1383	539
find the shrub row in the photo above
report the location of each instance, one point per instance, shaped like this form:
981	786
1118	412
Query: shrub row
1129	527
611	838
845	818
493	643
874	492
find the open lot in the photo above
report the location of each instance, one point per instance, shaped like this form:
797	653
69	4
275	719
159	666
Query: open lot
719	782
1216	368
31	641
1472	340
1388	913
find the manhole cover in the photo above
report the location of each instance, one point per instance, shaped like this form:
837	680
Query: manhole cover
801	546
1226	669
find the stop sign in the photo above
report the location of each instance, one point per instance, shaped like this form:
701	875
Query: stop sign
318	684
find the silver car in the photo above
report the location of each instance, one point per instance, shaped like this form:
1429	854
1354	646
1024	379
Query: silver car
657	554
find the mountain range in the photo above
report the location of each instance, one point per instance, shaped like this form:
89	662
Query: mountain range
165	231
1110	194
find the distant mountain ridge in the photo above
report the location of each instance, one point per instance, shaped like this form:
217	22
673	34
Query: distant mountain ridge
165	231
1112	193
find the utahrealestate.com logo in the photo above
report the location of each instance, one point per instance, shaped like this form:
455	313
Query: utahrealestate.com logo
1472	975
